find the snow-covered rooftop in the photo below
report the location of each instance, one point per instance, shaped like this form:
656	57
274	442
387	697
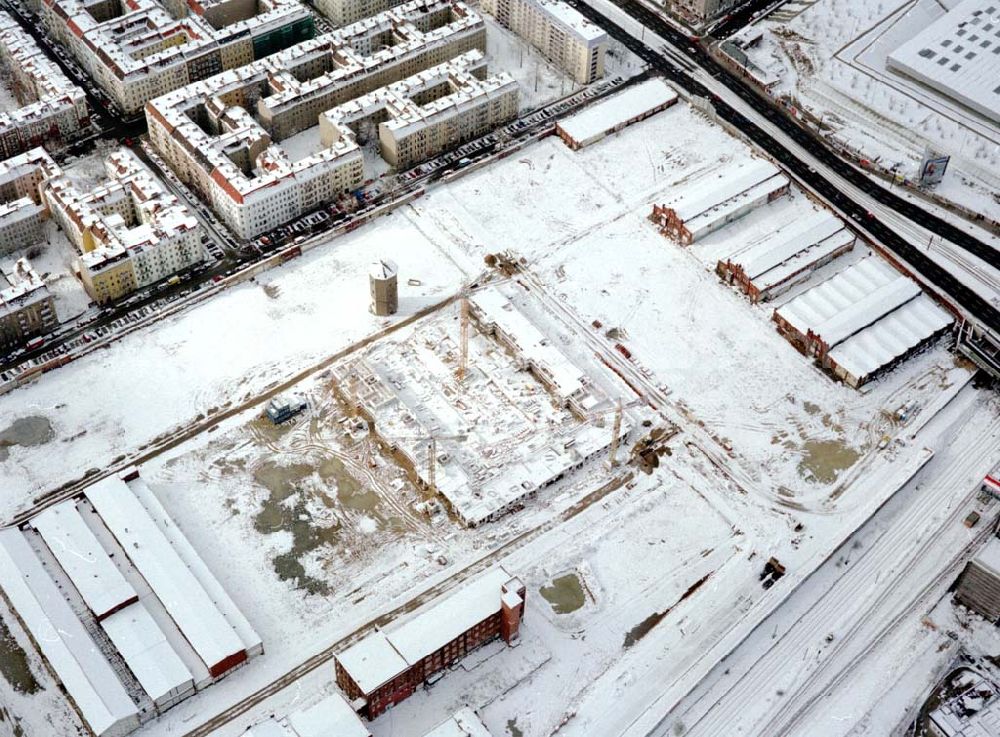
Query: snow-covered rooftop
88	678
604	116
785	242
86	562
464	723
146	651
331	717
892	336
959	56
193	611
372	661
384	654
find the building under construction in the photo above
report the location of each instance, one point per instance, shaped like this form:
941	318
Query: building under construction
481	407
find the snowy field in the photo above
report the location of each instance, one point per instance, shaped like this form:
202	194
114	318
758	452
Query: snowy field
312	545
831	58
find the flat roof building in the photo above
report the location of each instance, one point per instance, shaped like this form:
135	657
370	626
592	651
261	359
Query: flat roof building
332	716
958	55
615	113
558	31
463	723
713	202
386	666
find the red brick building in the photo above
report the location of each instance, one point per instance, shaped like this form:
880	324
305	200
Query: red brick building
387	666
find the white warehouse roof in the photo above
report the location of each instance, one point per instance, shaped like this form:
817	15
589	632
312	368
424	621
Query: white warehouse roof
331	717
596	120
894	335
149	656
959	56
464	723
95	576
87	677
193	611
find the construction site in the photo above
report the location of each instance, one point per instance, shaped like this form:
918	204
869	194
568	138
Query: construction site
486	418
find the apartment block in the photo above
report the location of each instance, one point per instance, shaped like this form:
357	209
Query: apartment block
222	136
131	232
54	109
136	50
458	103
564	37
23	208
26	307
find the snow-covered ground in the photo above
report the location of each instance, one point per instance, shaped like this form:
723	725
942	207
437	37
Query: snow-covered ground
669	559
831	58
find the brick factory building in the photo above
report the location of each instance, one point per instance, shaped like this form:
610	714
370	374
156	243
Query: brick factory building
787	256
387	666
862	321
711	204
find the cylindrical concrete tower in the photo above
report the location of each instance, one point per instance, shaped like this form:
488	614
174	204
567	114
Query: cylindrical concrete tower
382	280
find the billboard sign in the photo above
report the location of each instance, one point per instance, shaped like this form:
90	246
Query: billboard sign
932	167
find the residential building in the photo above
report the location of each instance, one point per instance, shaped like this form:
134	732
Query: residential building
131	232
26	307
54	109
222	136
457	104
709	204
558	31
387	666
23	208
136	50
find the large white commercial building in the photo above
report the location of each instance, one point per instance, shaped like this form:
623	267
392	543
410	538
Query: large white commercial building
106	578
136	50
54	109
565	37
456	106
959	56
131	232
223	135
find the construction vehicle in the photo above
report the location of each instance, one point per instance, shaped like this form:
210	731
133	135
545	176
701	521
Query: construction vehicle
773	570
